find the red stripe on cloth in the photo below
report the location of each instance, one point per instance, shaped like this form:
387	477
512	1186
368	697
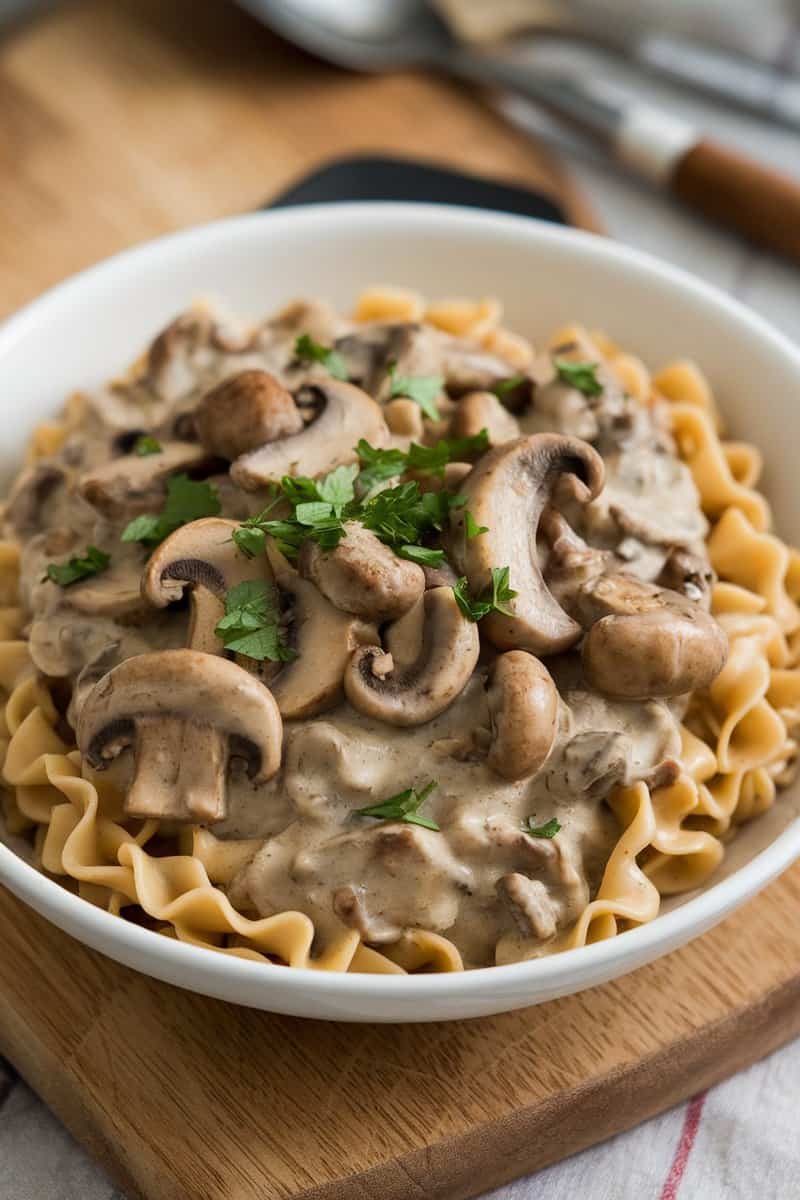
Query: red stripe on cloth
691	1123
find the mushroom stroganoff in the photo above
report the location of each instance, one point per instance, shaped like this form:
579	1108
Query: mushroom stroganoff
390	643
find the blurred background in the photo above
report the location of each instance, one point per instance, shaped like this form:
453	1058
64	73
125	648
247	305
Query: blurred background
123	119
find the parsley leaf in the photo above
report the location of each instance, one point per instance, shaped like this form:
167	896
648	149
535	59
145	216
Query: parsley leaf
313	512
146	444
318	508
400	515
404	807
504	387
249	536
422	389
435	458
251	625
474	609
379	465
471	527
580	375
307	350
337	488
91	563
548	830
299	489
187	500
420	554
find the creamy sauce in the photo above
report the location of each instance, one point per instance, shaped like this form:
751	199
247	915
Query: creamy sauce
495	891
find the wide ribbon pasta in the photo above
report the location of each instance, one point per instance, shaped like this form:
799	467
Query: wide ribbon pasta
739	740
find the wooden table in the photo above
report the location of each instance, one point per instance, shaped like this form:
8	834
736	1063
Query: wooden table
126	120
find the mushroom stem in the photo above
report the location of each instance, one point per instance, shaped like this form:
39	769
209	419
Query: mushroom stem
179	772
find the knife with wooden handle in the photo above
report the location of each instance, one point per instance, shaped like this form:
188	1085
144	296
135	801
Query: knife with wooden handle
723	185
733	190
726	187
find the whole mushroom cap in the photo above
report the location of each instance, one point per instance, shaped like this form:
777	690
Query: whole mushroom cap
244	412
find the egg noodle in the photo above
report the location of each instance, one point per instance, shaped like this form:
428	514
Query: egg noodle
738	737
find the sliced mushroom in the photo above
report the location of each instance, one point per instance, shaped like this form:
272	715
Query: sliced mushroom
136	484
417	691
329	441
645	640
202	556
591	764
369	349
530	905
441	576
188	342
523	704
689	574
362	575
33	489
483	410
507	491
323	639
467	368
98	666
245	411
350	906
186	714
114	593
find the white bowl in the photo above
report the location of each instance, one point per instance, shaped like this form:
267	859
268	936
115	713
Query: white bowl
84	330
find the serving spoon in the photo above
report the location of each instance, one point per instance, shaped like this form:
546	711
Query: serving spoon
385	35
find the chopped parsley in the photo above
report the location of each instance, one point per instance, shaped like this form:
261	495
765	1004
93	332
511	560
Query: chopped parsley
379	465
146	444
79	567
187	500
434	459
337	489
307	350
580	375
251	625
471	527
548	830
504	387
474	609
404	806
400	515
424	390
420	554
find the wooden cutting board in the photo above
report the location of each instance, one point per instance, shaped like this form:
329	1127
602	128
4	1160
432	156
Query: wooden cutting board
122	121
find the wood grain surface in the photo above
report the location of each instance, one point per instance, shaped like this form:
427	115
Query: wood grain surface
185	1098
122	121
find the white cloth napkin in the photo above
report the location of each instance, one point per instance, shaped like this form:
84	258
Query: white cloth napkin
738	1141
